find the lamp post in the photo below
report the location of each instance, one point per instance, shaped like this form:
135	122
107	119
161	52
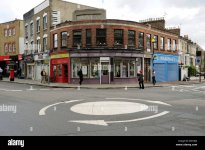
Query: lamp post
153	41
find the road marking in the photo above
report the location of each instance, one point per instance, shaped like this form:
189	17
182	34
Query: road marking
43	110
105	123
44	89
149	101
13	90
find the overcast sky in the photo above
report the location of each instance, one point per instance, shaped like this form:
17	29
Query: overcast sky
187	14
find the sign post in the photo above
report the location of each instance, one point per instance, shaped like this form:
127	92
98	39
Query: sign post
198	62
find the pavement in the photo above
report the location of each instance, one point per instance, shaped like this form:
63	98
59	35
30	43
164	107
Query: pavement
194	80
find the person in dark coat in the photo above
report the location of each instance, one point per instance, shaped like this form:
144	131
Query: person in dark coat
80	74
153	78
141	80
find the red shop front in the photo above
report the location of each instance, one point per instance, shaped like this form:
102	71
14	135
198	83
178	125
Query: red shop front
60	68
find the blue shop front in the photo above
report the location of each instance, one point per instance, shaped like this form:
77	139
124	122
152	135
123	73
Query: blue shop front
166	67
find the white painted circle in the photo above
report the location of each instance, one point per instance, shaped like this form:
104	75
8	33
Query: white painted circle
108	108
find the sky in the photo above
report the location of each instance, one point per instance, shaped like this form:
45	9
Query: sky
189	15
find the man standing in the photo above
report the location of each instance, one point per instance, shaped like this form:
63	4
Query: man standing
80	74
141	80
1	74
153	78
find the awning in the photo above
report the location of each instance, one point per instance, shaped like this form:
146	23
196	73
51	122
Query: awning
4	58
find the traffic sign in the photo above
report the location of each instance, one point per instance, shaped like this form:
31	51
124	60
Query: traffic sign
198	60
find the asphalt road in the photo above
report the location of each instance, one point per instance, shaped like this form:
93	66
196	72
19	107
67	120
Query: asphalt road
39	111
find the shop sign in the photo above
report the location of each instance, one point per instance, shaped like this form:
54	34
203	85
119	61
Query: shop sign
59	56
104	59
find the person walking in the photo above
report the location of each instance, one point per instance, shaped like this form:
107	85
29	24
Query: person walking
80	74
141	80
43	76
153	77
1	74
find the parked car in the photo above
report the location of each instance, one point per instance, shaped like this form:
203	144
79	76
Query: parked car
198	74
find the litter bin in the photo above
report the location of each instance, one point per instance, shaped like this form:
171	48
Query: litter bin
12	75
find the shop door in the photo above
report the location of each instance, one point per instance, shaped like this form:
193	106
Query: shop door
60	73
147	73
105	75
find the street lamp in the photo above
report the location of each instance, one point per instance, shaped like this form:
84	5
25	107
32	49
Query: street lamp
153	74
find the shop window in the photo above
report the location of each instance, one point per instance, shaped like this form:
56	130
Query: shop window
64	36
78	63
148	42
100	37
88	37
59	70
118	37
125	69
117	72
155	42
77	38
94	68
132	69
131	38
141	40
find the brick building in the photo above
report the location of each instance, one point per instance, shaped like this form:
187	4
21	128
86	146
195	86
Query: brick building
37	24
11	45
112	51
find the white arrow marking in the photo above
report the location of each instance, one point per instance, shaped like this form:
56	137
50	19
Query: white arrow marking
43	110
104	123
149	101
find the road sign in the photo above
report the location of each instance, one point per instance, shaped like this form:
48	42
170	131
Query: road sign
198	60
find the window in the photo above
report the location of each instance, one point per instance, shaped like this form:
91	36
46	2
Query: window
38	45
132	69
10	48
117	72
6	33
174	45
6	48
77	38
10	32
125	69
38	25
148	41
45	44
88	37
141	40
26	31
78	63
101	37
14	47
45	22
31	29
156	42
118	36
169	44
14	31
64	36
94	73
55	40
162	43
131	38
31	47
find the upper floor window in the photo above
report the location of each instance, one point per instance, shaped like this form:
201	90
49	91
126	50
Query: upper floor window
55	40
6	48
162	43
6	33
31	29
38	25
38	45
10	48
101	37
10	32
14	47
155	42
45	42
14	31
174	45
26	31
77	38
131	38
45	22
118	35
88	37
141	40
169	44
148	41
64	36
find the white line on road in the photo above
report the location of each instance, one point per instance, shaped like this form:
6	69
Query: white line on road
42	112
13	90
104	123
44	89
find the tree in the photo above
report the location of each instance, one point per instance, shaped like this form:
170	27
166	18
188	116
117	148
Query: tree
192	71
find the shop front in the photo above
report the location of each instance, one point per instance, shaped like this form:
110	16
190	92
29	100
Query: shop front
106	68
29	66
166	67
60	68
4	61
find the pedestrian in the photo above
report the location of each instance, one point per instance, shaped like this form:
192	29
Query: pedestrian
19	72
153	78
1	74
43	76
80	74
141	80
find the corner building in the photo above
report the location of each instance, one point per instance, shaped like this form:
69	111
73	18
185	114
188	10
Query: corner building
108	51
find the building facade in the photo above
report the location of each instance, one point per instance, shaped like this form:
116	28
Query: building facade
37	24
110	51
11	45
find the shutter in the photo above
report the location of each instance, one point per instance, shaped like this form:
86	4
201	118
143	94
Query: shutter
160	72
173	72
